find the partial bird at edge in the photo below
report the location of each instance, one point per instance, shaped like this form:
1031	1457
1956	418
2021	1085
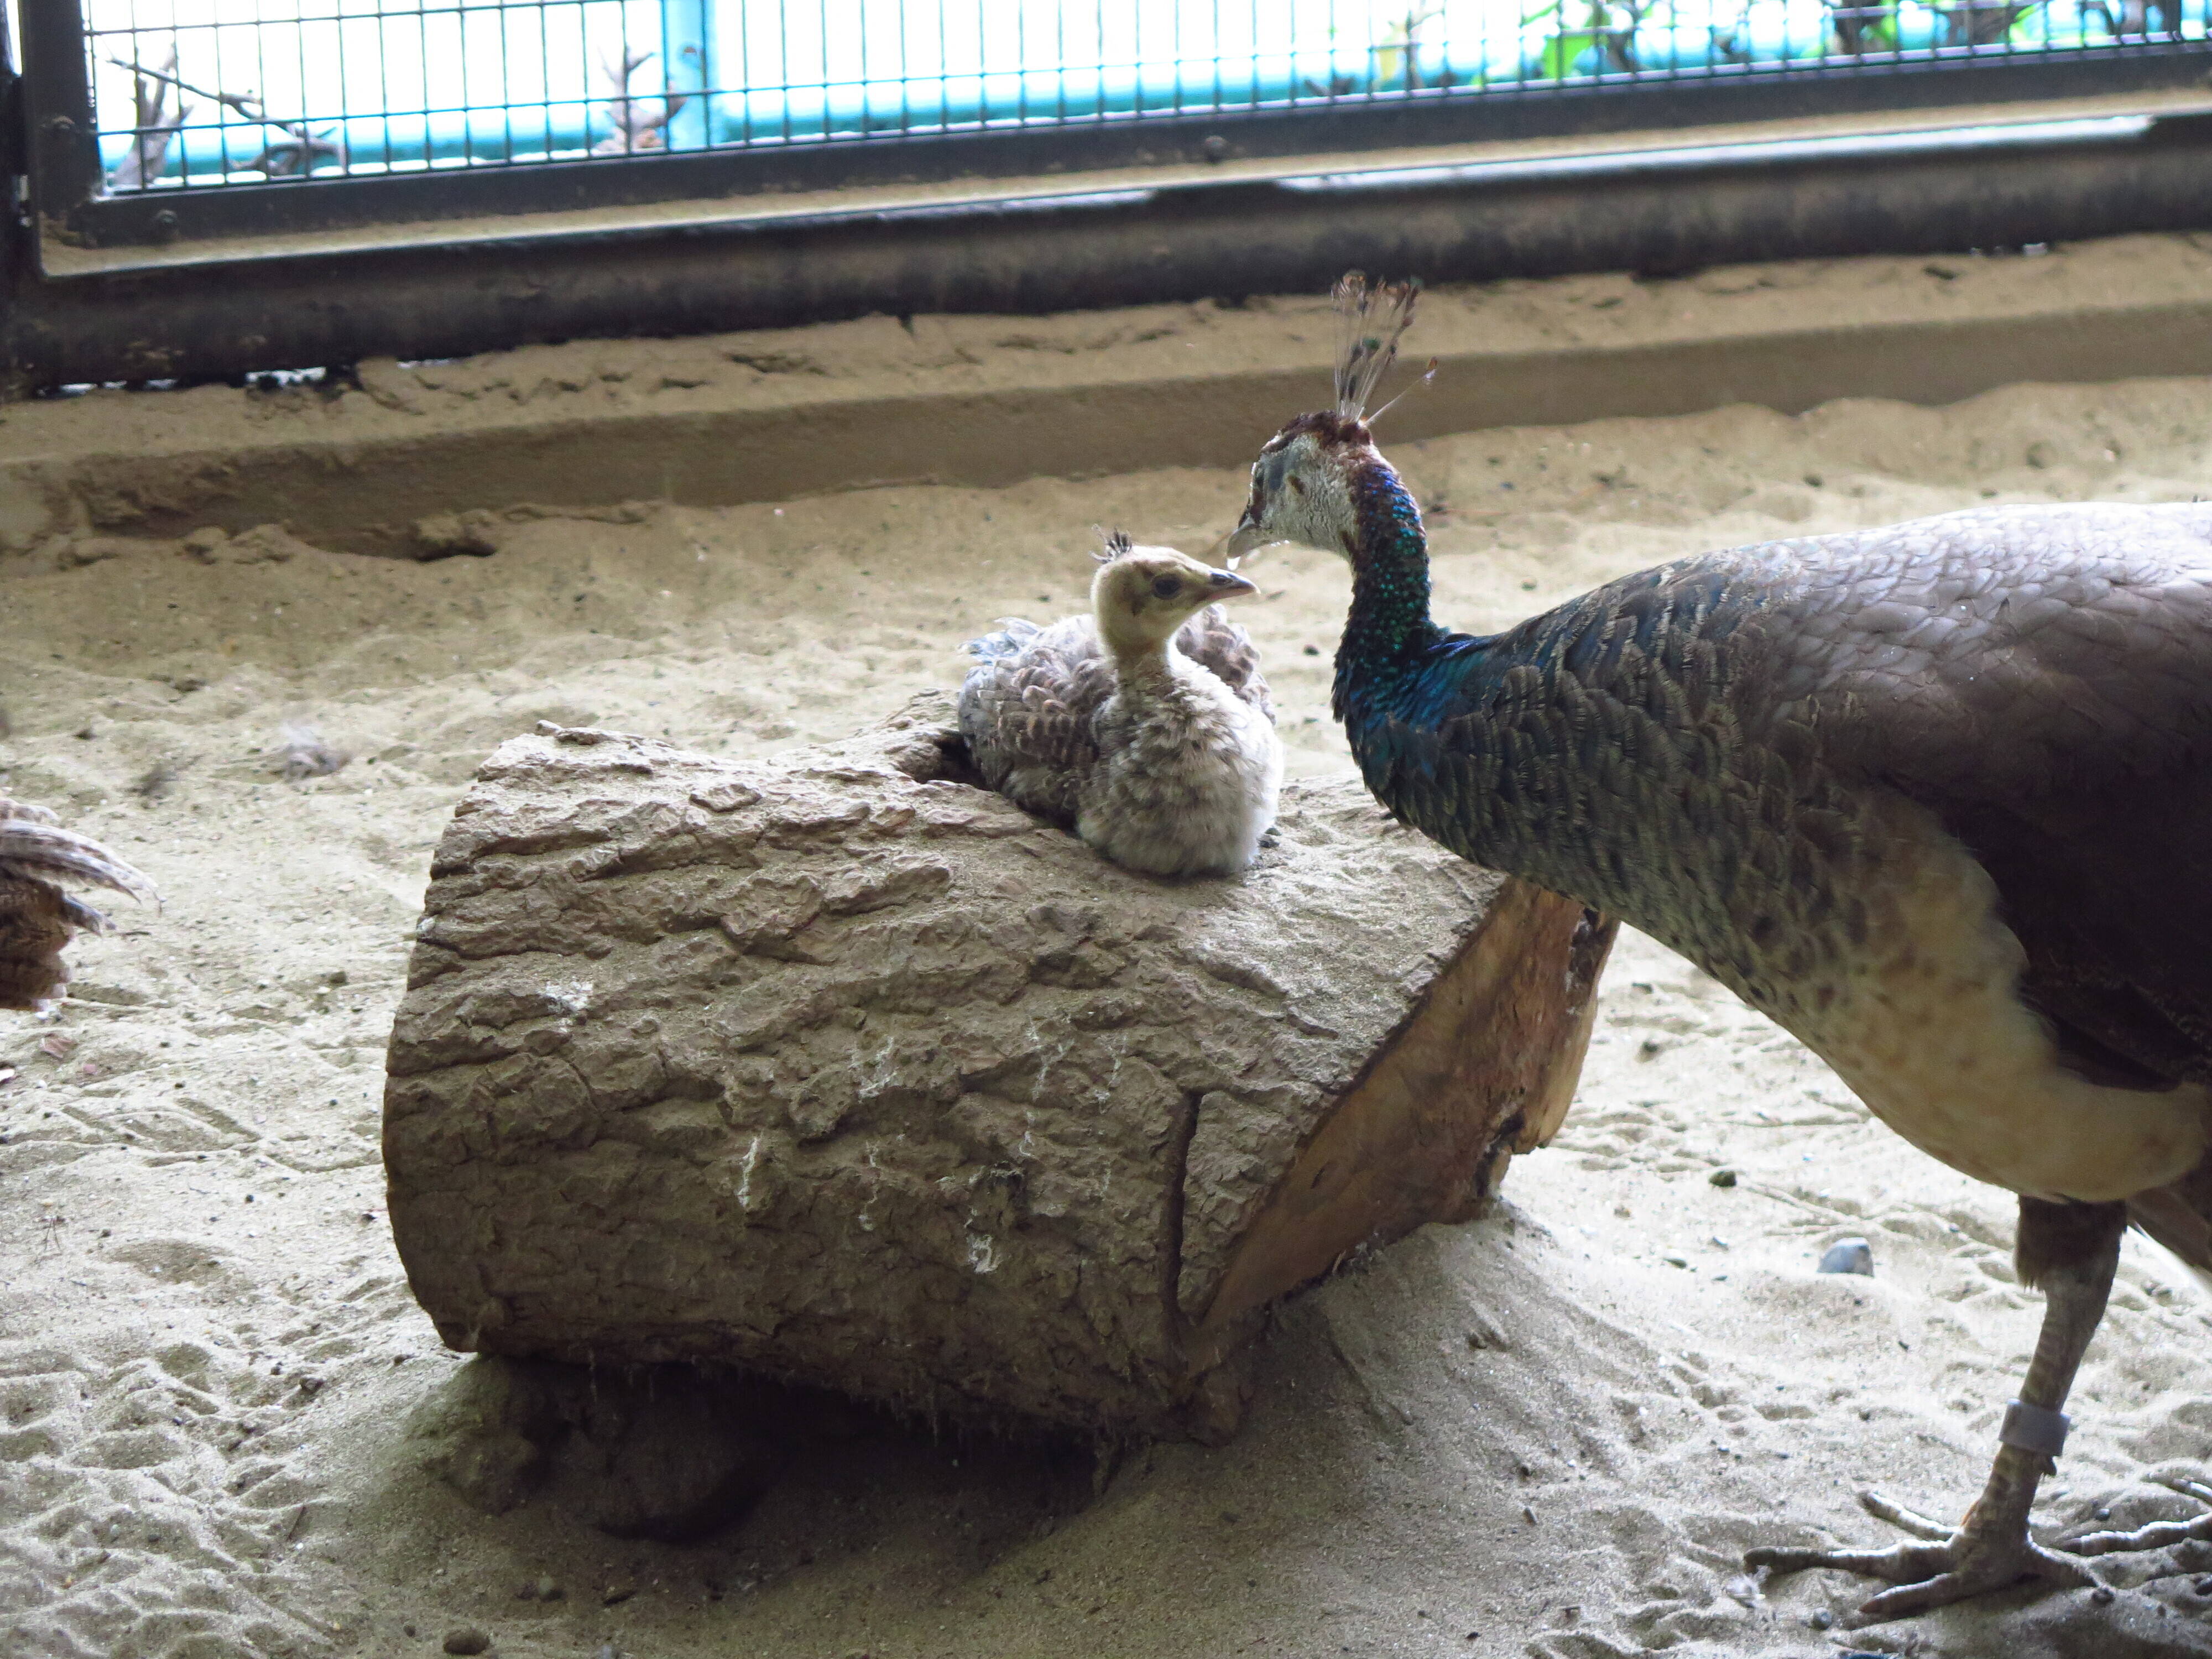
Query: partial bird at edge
38	859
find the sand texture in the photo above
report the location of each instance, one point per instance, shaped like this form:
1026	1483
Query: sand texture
1550	1432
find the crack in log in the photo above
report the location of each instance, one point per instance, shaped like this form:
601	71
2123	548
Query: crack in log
1181	1134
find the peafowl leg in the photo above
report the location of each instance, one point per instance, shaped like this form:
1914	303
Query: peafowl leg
2071	1250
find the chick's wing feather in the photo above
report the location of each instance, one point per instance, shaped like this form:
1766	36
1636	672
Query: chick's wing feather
1213	641
1027	710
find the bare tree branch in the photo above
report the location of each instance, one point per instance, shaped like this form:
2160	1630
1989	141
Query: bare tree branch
155	125
281	161
637	125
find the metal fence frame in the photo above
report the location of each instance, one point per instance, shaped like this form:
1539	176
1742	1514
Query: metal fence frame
120	287
68	174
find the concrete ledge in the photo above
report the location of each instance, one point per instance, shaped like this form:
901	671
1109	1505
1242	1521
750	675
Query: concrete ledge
987	401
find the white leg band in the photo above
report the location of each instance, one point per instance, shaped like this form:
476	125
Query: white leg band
2032	1428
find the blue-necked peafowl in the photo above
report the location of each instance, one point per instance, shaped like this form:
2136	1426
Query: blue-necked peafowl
36	916
1147	726
1935	797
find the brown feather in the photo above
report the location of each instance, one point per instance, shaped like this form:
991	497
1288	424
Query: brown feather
37	918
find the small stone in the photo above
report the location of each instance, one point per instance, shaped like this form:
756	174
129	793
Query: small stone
1849	1255
407	1630
466	1638
2203	1586
1822	1618
548	1588
2102	1595
621	1590
1722	1178
1675	1259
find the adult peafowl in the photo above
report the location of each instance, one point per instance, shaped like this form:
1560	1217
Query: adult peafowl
1935	797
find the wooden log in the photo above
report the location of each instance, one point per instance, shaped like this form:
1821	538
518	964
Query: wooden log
840	1069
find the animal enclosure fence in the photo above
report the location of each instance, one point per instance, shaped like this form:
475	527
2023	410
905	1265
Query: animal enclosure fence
195	95
214	186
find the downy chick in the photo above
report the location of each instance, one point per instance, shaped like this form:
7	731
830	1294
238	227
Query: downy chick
37	918
1147	726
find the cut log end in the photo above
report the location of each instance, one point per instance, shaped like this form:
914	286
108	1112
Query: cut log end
841	1069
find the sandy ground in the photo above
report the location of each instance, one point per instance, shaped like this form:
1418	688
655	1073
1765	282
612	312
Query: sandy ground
1549	1433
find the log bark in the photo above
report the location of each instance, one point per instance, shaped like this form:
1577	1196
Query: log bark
840	1069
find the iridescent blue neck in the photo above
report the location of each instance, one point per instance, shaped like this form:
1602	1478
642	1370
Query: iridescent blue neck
1389	626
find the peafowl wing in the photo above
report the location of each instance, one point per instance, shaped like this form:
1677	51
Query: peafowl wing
2040	678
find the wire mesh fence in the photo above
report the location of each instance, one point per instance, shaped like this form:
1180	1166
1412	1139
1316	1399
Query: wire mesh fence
197	94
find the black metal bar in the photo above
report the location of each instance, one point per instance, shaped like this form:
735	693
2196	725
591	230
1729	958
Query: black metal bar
15	140
57	95
1651	212
18	235
1450	117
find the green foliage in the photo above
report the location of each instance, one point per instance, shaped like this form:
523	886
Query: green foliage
1564	49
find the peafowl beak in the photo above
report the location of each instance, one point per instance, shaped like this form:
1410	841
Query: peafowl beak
1247	539
1227	584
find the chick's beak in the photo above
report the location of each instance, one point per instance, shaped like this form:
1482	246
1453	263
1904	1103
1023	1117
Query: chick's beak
1227	585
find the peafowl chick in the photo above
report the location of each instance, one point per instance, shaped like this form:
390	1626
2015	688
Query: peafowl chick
37	918
1146	726
1935	797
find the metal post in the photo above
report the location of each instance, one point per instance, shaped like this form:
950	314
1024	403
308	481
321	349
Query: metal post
687	35
56	88
15	266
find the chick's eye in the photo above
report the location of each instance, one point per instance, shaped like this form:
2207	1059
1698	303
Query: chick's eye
1298	484
1165	588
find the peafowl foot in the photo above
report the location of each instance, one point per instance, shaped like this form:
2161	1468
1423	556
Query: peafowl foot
1943	1566
2071	1250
